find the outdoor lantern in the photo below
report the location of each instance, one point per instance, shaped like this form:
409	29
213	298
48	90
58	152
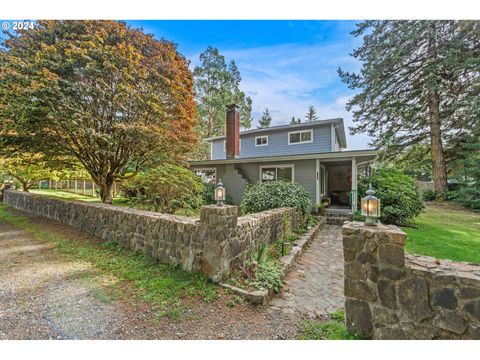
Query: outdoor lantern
371	207
220	193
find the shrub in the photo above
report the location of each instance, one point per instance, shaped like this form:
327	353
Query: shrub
208	195
429	195
275	194
468	196
400	201
166	189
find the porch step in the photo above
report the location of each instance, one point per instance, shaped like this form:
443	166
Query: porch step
337	216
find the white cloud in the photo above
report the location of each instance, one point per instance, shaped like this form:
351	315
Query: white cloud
288	78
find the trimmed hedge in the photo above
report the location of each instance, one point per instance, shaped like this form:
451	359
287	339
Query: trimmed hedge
275	194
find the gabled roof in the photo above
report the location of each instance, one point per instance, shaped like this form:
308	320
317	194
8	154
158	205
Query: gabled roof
360	155
338	121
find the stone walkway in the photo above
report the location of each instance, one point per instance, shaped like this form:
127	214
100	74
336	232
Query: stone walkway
315	287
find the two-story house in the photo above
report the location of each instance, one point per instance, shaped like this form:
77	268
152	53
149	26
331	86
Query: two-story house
307	153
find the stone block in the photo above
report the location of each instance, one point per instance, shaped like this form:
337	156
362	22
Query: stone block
358	317
473	309
386	293
359	290
353	242
469	293
451	321
391	255
391	334
445	298
366	258
382	316
355	270
392	273
413	298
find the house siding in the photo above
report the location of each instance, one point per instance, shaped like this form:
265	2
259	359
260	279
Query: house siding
304	174
278	144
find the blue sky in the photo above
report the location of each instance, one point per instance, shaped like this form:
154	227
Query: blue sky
285	65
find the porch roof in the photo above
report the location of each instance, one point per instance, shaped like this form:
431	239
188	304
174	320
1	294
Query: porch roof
361	155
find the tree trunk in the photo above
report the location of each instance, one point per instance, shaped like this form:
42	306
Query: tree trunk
439	171
106	191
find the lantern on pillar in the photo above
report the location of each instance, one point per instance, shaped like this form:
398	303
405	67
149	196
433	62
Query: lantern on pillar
371	207
220	193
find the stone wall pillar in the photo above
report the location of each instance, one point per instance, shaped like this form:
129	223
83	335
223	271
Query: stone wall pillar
218	239
374	259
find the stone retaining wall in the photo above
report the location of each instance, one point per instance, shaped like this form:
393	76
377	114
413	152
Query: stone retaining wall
216	244
392	296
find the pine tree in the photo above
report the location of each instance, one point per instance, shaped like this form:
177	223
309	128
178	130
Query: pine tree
419	85
311	114
265	120
217	84
294	121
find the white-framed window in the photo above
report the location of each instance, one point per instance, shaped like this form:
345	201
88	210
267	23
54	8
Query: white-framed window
207	174
261	140
225	145
284	172
300	137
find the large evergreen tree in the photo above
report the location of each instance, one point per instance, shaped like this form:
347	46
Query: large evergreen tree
419	87
311	114
217	84
265	120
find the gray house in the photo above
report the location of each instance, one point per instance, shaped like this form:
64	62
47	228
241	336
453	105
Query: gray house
307	153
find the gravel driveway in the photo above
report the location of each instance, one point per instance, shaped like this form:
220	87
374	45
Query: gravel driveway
44	295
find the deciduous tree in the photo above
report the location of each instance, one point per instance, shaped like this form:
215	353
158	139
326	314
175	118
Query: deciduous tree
102	92
27	169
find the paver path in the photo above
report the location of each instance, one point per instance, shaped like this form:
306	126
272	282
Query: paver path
315	287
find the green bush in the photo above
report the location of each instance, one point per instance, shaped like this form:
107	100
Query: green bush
429	195
208	195
275	194
468	196
166	189
400	201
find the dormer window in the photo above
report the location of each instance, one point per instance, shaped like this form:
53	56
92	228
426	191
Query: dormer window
261	141
300	137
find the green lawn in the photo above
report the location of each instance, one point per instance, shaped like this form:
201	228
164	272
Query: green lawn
164	286
116	201
446	231
77	197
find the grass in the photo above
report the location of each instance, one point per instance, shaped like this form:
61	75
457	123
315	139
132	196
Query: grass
446	231
76	197
55	194
163	286
334	329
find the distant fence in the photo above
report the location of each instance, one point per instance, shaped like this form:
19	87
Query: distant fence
75	186
424	185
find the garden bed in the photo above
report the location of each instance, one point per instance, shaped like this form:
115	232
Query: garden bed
239	285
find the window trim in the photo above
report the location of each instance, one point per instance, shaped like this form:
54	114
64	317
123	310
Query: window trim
300	132
259	137
206	169
261	167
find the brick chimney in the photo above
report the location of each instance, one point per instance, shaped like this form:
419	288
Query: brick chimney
232	145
